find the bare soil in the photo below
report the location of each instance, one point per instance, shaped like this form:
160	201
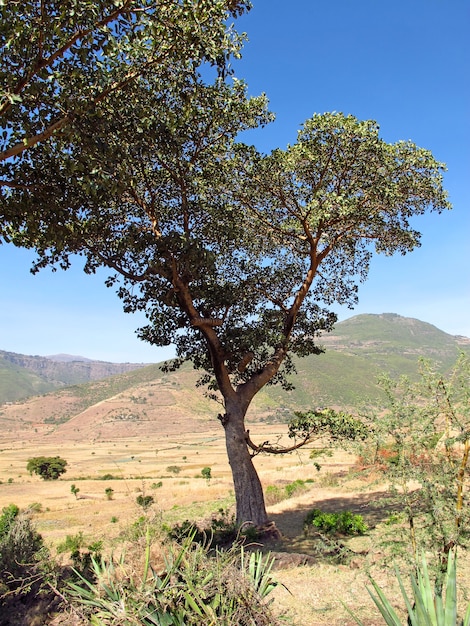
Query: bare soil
313	589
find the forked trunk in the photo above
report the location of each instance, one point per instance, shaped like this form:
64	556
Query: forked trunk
247	485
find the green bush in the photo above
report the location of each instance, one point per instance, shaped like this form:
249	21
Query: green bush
206	473
144	501
294	487
20	546
81	552
275	494
109	477
344	523
9	514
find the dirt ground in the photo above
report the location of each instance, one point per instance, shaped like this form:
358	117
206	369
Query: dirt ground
312	590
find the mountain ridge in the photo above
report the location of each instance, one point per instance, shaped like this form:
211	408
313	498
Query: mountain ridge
141	402
22	376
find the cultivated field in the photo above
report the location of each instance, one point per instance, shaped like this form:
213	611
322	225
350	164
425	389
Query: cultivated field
169	469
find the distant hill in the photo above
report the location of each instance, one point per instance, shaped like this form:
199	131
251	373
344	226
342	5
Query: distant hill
133	403
22	376
362	347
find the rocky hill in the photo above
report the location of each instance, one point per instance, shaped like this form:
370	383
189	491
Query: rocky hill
22	376
132	404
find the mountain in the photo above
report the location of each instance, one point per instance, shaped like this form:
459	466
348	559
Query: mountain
67	358
22	376
138	402
364	346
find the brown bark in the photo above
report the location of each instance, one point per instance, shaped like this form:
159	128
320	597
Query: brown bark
247	485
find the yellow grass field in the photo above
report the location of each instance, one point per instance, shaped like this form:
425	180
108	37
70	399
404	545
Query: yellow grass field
169	469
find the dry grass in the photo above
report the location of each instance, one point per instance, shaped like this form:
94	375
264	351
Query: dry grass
315	591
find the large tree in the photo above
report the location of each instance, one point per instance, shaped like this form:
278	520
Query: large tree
234	256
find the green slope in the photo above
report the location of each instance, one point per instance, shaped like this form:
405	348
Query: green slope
17	383
357	351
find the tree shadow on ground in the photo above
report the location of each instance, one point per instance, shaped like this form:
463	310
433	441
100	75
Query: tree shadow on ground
290	522
369	505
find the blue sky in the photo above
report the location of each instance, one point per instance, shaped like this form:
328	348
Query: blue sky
404	64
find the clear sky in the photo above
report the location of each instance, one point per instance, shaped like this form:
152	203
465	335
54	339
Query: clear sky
405	64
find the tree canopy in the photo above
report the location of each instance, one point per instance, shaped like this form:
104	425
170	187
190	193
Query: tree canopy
47	467
234	256
60	58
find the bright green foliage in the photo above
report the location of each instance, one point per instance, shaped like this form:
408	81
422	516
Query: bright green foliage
423	434
344	523
334	425
9	514
61	58
206	473
47	467
228	588
75	490
109	491
426	606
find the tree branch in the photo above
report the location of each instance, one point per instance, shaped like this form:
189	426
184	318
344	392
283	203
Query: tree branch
42	63
268	448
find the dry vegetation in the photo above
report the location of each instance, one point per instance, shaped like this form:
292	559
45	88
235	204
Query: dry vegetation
141	464
314	587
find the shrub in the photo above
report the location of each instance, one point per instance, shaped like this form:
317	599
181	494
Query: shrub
275	494
206	473
109	491
20	545
228	588
9	514
47	467
81	552
220	530
174	469
144	501
35	507
344	523
421	440
294	487
75	490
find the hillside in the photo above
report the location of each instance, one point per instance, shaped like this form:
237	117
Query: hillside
22	376
138	402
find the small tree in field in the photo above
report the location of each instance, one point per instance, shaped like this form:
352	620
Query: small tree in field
75	490
47	467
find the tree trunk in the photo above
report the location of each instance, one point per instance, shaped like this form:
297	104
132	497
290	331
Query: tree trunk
247	485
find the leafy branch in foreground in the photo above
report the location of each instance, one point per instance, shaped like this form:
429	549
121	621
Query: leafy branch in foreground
335	426
425	431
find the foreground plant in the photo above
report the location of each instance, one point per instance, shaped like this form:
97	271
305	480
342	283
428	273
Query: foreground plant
345	522
194	588
421	441
427	606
